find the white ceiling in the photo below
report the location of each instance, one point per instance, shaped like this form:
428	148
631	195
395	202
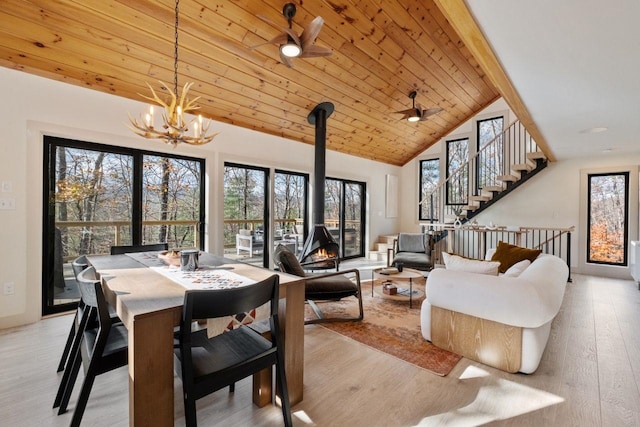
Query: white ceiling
575	65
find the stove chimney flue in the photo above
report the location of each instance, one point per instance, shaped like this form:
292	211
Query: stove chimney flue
318	117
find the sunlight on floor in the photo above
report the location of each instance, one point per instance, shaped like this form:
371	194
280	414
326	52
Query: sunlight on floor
496	399
302	416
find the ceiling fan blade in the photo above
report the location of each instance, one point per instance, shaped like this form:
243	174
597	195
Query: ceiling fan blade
430	112
310	33
294	36
279	39
409	111
286	30
286	60
315	51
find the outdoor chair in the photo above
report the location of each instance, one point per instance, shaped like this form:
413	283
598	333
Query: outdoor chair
412	250
103	347
206	365
322	286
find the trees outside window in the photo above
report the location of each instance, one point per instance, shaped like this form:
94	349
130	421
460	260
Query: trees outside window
490	151
608	203
429	180
457	171
98	196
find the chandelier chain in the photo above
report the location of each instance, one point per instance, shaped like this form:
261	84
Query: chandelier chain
175	52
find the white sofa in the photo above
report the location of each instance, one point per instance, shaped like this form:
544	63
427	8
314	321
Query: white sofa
500	321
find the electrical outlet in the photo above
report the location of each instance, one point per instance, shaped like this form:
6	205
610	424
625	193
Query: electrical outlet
7	204
9	288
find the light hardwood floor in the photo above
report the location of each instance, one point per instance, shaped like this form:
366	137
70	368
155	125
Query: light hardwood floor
589	376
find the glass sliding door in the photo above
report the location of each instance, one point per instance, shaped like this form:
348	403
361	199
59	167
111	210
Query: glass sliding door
172	201
290	203
246	233
97	196
344	215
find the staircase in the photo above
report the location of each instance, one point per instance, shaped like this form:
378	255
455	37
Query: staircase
380	247
504	164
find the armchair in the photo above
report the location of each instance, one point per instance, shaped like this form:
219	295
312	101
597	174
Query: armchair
322	286
412	250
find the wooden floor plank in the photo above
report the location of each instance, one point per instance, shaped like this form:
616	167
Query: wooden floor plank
588	376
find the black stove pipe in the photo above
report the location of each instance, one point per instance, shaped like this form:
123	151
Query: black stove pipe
318	117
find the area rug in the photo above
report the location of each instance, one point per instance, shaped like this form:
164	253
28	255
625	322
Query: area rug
388	326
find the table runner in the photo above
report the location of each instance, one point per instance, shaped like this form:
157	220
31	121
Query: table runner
207	277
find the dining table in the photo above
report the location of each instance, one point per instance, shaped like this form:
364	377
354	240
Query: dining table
149	302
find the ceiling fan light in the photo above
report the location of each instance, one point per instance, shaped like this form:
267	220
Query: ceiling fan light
290	50
414	117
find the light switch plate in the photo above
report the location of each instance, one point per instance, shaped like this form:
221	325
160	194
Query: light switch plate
7	187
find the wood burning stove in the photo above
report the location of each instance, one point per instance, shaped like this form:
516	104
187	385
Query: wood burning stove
320	250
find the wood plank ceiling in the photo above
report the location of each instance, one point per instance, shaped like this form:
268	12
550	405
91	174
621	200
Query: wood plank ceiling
382	50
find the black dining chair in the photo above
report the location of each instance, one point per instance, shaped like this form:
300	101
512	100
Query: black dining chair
119	250
103	347
75	332
206	365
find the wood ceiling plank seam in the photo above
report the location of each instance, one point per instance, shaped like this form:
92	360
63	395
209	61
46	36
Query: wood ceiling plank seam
457	43
428	36
355	7
417	60
168	70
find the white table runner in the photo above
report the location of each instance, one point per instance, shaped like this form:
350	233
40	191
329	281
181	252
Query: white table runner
204	277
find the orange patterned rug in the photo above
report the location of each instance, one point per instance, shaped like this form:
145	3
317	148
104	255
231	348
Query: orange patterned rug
389	326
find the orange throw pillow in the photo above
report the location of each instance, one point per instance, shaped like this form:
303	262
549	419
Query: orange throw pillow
509	255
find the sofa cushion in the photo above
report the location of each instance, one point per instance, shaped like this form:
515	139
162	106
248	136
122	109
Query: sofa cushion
509	255
516	269
458	263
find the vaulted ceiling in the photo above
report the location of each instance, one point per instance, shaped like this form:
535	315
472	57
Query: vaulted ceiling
382	50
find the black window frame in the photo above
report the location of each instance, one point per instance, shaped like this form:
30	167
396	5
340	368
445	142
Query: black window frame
449	171
422	217
50	144
625	260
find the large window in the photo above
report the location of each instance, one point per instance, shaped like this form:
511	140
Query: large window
246	216
429	180
97	196
290	196
458	171
490	151
608	206
344	215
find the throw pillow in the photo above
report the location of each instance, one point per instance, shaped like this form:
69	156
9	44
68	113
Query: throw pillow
288	261
516	269
458	263
508	255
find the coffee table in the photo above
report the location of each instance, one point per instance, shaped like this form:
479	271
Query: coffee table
407	274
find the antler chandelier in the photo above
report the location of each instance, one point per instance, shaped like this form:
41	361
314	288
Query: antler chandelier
175	128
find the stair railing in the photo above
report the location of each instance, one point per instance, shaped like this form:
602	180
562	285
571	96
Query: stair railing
484	170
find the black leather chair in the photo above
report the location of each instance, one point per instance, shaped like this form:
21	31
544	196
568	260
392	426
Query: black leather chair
206	365
322	286
119	250
103	347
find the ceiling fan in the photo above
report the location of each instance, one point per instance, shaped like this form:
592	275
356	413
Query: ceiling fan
416	113
292	45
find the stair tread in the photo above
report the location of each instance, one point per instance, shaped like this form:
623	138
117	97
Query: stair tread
508	178
480	198
493	188
534	155
522	167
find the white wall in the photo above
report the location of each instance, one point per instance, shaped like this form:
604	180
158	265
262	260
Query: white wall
33	106
553	198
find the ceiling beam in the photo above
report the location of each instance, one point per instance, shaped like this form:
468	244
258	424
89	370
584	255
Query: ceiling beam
462	21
